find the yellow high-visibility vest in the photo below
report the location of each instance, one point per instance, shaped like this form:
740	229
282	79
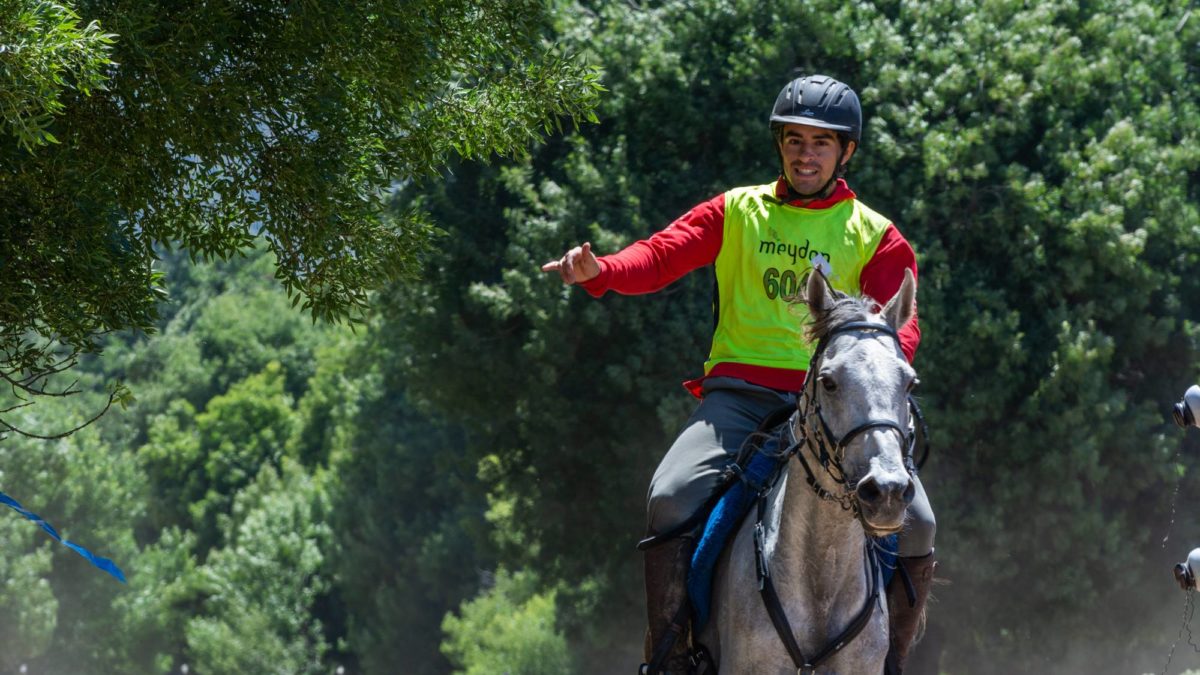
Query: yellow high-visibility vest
768	250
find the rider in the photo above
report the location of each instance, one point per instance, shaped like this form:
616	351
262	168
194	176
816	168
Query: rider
763	240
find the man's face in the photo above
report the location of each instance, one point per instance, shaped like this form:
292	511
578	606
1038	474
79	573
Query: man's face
811	156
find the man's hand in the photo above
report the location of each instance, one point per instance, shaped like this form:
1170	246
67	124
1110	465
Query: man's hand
576	266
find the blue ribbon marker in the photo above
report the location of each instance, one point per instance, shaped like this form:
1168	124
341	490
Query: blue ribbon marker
101	562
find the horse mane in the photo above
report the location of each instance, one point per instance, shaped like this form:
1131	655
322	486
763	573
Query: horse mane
846	308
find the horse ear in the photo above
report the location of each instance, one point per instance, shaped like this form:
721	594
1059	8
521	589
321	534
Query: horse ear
902	307
817	295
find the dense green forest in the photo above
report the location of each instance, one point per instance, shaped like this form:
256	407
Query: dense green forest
455	483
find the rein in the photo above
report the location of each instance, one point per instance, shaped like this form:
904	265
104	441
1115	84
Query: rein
831	462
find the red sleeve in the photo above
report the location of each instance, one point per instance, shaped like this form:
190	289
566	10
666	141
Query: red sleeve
881	278
692	241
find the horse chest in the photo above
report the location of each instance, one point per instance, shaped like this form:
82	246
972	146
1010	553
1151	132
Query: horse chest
817	607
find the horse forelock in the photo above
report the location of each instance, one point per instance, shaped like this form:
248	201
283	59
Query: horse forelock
846	308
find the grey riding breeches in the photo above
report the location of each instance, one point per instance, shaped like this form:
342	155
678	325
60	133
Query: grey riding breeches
729	412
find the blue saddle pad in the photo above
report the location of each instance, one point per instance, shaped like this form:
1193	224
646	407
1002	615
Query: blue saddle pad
725	518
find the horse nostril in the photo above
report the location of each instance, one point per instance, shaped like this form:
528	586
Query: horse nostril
868	491
874	491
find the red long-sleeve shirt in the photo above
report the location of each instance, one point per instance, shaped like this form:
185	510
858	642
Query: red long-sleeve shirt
694	240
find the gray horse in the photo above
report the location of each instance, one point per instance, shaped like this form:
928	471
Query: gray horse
817	521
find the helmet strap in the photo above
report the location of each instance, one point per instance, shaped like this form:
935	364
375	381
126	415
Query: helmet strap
823	192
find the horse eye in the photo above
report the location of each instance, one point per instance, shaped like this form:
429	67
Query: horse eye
912	384
828	383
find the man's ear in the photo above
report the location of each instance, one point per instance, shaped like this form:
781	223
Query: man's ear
902	307
851	146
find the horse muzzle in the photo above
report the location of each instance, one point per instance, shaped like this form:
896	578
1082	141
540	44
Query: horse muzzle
883	499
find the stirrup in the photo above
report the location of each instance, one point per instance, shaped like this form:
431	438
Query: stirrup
700	656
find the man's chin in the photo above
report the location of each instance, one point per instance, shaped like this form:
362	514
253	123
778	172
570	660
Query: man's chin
807	188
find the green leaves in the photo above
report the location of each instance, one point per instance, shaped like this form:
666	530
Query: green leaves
44	51
205	127
510	628
262	587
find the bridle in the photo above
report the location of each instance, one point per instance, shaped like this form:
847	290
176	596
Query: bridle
810	430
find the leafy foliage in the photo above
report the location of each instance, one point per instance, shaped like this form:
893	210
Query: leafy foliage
510	630
263	586
46	53
411	539
201	460
203	127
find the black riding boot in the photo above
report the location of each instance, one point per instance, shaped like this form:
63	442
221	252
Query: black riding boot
906	607
666	607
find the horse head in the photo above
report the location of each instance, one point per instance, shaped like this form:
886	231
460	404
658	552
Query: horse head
855	400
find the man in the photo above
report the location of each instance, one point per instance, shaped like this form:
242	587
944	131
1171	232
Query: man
763	241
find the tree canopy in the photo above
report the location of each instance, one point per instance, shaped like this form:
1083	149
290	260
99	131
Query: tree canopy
138	125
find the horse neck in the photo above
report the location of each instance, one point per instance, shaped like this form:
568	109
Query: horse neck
819	552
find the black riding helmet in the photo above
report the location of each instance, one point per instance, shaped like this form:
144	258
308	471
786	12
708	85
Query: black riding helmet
819	101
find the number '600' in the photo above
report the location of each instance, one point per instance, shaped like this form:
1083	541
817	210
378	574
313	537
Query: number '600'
780	284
